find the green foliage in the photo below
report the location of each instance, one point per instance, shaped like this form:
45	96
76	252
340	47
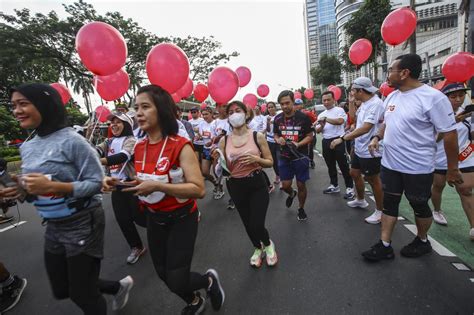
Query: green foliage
9	152
9	127
327	72
75	116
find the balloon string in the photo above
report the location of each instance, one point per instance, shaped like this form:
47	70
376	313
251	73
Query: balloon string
390	56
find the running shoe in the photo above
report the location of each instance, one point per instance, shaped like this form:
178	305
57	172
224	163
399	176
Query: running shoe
349	193
276	182
356	203
5	219
121	298
271	255
302	215
219	194
215	291
271	189
197	308
332	190
379	252
289	200
374	218
439	218
416	248
256	259
135	255
11	294
312	164
230	205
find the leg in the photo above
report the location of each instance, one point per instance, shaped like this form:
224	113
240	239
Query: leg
274	150
302	176
57	271
467	199
302	192
439	182
393	189
330	159
258	205
418	193
359	183
157	236
124	215
206	171
376	184
286	175
341	158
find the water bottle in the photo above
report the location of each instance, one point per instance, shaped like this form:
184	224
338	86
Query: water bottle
177	177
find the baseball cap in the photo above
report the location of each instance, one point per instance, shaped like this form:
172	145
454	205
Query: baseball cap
453	87
298	101
194	109
365	84
123	117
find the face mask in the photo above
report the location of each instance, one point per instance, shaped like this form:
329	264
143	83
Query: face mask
237	120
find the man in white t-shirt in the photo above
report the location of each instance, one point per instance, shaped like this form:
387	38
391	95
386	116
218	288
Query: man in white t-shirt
197	141
413	115
259	122
331	124
369	117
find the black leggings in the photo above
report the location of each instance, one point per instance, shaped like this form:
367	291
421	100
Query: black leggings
127	213
337	155
250	196
171	239
275	150
77	278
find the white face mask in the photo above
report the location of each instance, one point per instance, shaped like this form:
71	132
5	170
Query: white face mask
237	120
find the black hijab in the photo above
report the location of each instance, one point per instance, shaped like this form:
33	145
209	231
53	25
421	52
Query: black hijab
48	102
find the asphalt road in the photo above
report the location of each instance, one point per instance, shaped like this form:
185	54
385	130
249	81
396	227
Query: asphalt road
320	270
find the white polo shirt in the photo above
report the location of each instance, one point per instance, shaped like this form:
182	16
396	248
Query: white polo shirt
258	123
412	119
331	131
369	112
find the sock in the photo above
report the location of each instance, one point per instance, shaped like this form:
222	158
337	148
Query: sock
424	240
377	210
386	244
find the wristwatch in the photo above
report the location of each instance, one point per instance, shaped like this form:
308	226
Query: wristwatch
376	136
342	138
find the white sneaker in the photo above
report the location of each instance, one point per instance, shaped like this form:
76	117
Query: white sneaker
471	234
256	259
332	190
271	255
121	298
375	218
356	203
349	193
135	255
438	217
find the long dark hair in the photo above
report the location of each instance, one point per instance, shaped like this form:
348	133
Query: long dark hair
165	107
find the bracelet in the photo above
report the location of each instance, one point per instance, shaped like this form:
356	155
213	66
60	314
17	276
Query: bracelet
376	136
342	138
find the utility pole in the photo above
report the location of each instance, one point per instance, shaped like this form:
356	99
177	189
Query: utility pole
413	36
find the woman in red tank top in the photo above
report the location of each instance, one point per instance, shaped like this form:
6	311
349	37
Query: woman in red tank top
169	181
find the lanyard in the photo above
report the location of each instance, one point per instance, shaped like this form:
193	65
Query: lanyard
159	157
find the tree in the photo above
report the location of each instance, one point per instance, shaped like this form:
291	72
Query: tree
75	117
327	72
9	128
366	23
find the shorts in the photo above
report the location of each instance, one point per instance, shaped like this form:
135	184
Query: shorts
367	166
294	168
206	154
80	233
198	147
416	186
469	169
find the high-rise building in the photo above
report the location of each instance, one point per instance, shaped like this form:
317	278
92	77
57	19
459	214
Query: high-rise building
320	30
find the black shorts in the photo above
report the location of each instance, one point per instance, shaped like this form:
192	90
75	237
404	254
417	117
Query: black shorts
469	169
198	148
367	166
416	186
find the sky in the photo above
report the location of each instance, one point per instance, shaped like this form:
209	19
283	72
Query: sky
269	35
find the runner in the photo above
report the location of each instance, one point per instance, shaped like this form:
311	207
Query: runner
292	131
187	125
274	148
456	93
64	174
116	153
331	125
197	141
246	152
169	183
413	114
368	119
312	117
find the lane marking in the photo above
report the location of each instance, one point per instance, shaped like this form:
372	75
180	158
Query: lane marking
440	249
12	226
472	280
461	267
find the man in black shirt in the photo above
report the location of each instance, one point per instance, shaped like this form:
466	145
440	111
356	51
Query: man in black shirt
292	130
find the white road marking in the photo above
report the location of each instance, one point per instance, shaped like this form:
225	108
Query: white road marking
461	266
12	226
401	218
440	249
472	280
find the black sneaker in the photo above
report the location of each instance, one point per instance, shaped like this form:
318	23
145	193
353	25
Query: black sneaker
302	215
5	219
312	164
11	295
379	252
289	200
215	292
230	205
416	248
195	308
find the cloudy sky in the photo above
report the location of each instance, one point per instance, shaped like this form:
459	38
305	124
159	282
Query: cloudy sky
269	35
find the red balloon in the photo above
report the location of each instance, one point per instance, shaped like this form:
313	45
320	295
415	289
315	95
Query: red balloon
337	92
201	92
102	113
101	47
459	67
244	75
385	89
203	105
63	92
263	90
187	89
330	87
167	66
398	26
297	95
190	116
309	93
223	84
112	87
360	51
263	108
176	97
250	100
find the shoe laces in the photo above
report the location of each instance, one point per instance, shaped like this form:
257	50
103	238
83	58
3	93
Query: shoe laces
257	253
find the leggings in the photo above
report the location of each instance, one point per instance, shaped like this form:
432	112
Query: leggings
275	150
77	278
127	213
171	238
250	196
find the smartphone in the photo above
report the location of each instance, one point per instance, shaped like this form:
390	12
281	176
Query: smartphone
122	185
468	109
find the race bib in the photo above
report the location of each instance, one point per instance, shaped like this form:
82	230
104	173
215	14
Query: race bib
466	153
156	196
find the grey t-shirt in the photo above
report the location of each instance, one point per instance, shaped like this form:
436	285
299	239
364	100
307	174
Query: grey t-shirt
67	157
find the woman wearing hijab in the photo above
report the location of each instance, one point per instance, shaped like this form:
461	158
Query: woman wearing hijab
64	176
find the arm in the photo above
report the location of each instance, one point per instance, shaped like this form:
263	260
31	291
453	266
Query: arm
453	176
266	160
335	121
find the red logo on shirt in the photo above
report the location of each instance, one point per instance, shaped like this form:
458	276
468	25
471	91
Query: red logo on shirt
391	108
163	164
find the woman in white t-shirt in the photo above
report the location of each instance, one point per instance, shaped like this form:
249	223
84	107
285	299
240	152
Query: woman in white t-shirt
456	93
205	136
274	147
